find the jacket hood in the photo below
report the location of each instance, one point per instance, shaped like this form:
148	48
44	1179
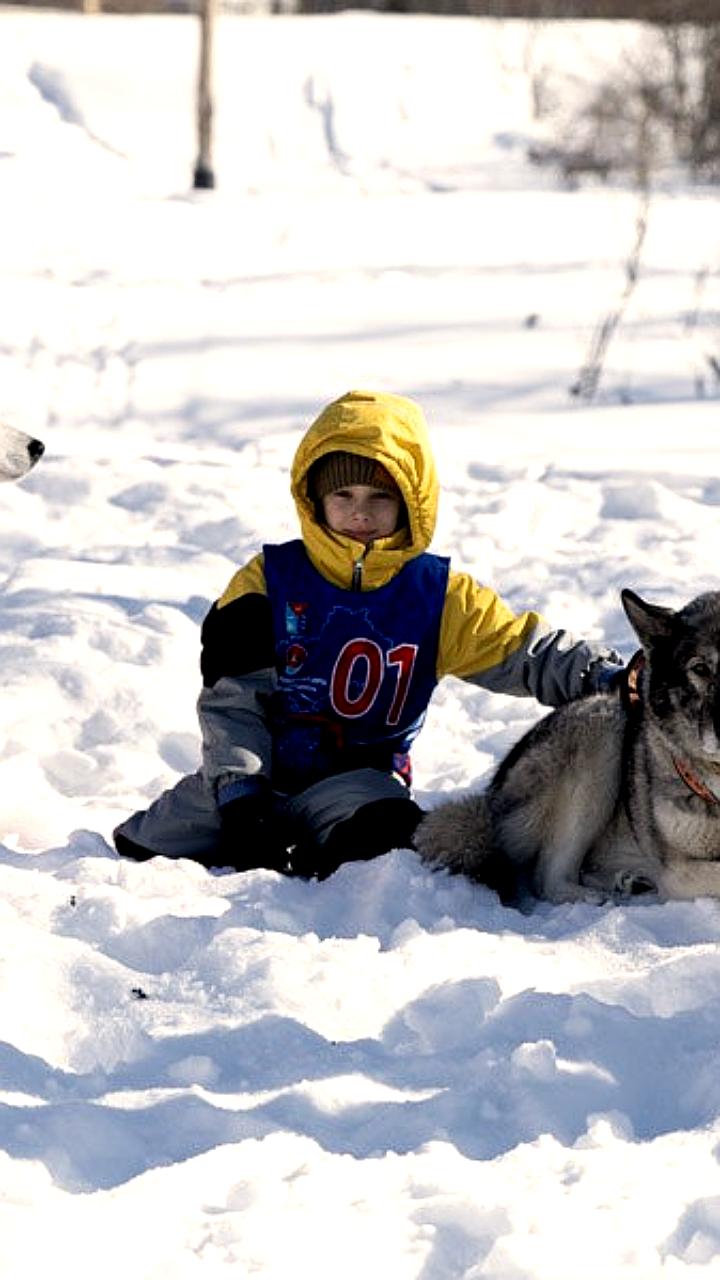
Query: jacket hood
391	430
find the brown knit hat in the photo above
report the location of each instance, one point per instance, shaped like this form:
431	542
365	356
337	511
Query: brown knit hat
336	470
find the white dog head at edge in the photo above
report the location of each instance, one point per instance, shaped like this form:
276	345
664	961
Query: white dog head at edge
18	452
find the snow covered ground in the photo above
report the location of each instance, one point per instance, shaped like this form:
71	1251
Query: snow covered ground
387	1073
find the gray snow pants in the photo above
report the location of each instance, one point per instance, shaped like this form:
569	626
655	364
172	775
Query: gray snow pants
184	823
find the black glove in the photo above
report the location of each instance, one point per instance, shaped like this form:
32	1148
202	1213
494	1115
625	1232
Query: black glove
624	680
609	678
604	676
250	834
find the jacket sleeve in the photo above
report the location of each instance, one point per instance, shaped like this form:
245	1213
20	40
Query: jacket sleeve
483	641
238	670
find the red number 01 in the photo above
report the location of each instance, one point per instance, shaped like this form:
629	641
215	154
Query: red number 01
402	657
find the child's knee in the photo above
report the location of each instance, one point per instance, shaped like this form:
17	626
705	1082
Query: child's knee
374	828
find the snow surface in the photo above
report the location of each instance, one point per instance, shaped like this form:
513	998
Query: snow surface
387	1073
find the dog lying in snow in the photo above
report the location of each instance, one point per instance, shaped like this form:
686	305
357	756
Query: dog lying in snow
612	795
18	452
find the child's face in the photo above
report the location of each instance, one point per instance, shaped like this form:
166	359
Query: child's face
362	512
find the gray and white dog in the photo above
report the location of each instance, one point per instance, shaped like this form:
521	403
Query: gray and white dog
612	795
18	452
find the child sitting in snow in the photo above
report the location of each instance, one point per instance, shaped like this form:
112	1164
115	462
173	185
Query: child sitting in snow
321	657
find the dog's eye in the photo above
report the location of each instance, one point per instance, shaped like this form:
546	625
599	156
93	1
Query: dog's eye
698	667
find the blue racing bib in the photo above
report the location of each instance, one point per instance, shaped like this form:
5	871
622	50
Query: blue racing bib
355	670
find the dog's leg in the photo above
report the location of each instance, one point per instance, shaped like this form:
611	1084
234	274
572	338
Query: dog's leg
583	805
557	872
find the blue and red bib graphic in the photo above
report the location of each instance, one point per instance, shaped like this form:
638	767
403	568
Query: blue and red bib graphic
355	670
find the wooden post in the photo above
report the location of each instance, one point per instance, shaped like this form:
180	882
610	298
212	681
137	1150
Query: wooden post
204	176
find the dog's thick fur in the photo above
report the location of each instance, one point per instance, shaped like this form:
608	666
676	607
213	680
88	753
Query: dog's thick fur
613	795
18	452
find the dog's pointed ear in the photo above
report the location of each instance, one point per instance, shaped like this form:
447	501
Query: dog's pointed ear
650	621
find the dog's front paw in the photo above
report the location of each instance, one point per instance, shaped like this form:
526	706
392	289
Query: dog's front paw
631	884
